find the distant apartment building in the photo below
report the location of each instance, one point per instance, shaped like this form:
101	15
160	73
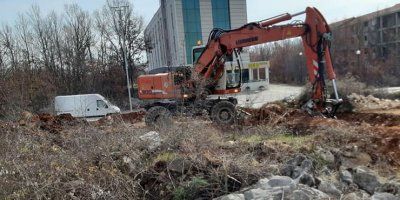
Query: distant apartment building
178	25
376	34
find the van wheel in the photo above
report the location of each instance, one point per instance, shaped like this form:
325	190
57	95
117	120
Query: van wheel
223	113
158	117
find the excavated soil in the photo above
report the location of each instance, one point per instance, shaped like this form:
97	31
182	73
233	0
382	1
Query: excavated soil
383	119
55	124
378	134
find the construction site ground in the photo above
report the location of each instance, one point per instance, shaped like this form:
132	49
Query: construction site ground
61	155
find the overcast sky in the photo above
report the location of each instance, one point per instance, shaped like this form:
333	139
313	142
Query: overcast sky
333	10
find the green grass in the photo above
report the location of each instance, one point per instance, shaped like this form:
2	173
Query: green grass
294	141
190	190
252	139
166	157
289	139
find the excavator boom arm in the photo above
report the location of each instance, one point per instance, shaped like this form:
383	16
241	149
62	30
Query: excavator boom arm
314	32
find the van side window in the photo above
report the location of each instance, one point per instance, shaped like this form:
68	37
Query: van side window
101	104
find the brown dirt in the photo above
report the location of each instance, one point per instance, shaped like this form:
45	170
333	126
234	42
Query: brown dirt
55	124
133	117
378	134
383	119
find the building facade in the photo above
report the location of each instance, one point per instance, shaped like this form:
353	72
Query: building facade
376	34
178	25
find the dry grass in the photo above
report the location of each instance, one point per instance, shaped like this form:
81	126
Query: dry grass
88	161
195	159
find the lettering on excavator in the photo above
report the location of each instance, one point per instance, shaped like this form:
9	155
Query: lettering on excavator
247	40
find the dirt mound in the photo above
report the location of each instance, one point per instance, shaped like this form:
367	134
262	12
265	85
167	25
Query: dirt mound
370	102
55	124
28	118
269	113
133	117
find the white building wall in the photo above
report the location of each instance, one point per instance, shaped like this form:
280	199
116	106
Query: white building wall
172	39
238	13
175	30
180	34
154	32
206	19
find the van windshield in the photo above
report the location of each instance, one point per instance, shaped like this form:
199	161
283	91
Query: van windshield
102	104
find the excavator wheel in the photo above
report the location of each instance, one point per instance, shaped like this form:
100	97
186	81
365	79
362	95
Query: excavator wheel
158	117
223	113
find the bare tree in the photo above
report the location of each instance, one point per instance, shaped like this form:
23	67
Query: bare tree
78	38
24	36
9	45
67	53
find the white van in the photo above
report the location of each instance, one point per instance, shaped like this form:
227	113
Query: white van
84	105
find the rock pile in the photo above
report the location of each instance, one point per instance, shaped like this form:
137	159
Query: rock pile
299	181
362	102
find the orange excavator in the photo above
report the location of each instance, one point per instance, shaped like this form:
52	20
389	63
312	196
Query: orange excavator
189	90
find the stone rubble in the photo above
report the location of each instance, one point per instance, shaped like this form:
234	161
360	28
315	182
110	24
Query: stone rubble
298	181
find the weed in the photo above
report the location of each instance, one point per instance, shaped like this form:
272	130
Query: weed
296	142
165	157
191	190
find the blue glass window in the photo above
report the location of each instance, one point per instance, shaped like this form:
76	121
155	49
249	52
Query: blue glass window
221	14
192	26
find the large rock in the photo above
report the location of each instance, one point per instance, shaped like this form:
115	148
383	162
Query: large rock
232	197
280	181
329	188
152	140
301	169
345	176
307	193
301	195
384	196
283	182
261	194
365	180
282	187
326	155
307	179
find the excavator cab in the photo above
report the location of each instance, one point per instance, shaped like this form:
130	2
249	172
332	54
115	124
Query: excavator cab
196	52
231	79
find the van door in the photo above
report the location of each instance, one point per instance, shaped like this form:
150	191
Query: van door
101	108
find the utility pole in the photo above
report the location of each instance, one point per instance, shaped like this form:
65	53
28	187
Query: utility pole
122	43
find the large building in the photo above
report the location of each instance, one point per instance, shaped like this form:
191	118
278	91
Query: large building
178	25
377	33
